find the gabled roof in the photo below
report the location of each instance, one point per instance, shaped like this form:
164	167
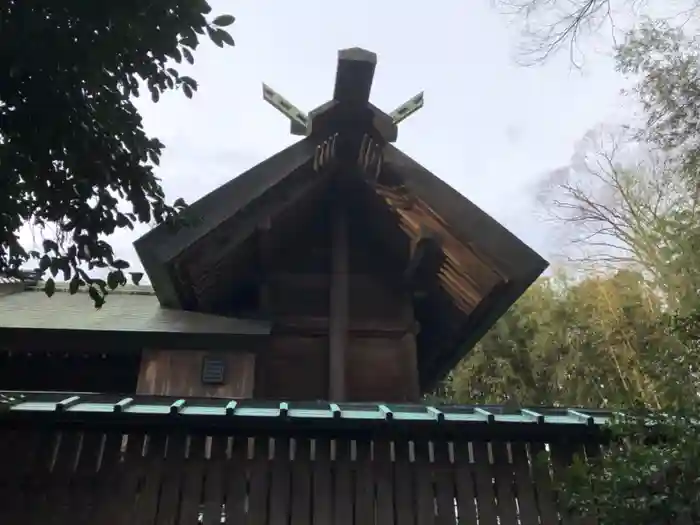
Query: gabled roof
485	268
161	245
131	311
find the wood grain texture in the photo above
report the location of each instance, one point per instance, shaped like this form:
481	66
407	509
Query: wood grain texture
444	478
540	462
483	477
404	490
301	510
258	497
464	483
338	315
156	478
384	479
382	369
524	486
178	373
322	482
293	368
343	484
503	469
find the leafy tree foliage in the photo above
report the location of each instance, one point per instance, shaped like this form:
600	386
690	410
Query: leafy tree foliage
667	65
72	145
591	342
624	203
604	337
628	334
631	197
552	26
611	340
651	475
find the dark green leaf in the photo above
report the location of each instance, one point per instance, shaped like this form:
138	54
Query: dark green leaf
188	55
204	7
55	267
73	145
44	263
227	38
220	37
154	158
189	81
64	266
102	284
190	40
112	280
74	285
49	287
223	20
121	278
176	55
50	245
120	264
97	298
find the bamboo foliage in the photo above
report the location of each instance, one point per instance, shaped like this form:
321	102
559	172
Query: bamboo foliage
587	342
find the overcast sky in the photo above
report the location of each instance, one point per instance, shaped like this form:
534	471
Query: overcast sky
490	128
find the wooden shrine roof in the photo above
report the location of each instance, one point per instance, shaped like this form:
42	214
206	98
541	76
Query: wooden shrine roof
130	310
485	268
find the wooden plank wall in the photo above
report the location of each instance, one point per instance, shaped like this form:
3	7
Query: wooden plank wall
179	373
380	355
380	358
75	478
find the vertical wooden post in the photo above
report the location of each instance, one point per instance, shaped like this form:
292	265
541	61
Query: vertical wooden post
338	311
264	258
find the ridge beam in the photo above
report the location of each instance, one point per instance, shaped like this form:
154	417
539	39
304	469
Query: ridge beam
354	76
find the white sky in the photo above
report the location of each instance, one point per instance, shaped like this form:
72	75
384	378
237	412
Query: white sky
490	128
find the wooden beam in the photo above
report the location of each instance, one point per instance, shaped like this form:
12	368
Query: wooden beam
265	253
318	326
339	290
426	257
354	76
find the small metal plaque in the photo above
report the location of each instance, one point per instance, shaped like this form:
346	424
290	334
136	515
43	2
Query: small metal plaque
213	370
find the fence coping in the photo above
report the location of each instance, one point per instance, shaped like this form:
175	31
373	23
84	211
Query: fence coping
86	408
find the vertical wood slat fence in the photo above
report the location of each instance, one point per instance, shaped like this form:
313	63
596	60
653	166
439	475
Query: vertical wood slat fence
82	478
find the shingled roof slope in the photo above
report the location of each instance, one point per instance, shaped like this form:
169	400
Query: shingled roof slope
128	309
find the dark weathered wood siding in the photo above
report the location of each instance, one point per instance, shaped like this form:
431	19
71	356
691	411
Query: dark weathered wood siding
85	477
378	345
179	373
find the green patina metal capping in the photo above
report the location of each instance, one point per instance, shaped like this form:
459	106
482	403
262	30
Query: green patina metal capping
98	407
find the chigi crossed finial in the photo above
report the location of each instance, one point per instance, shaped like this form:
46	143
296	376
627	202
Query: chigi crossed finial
353	83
